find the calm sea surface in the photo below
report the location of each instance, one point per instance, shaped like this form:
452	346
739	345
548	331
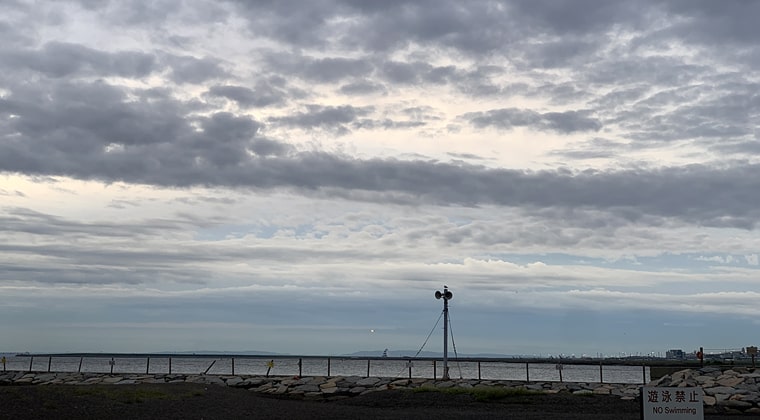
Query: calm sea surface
223	365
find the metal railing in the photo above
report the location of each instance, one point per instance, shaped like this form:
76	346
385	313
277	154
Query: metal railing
538	370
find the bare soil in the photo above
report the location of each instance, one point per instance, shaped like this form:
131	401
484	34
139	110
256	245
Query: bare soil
199	401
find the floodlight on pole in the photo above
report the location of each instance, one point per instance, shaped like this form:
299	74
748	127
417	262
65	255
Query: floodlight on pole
446	295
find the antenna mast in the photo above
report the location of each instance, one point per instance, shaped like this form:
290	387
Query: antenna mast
446	295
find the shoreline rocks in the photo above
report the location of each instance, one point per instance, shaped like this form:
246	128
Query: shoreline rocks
734	390
730	391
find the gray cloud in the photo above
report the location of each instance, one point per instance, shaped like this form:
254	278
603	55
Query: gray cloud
508	118
715	24
318	116
264	95
58	59
322	70
188	69
362	87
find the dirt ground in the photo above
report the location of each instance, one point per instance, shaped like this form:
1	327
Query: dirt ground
198	401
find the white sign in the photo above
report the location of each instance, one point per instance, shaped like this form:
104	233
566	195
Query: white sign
671	403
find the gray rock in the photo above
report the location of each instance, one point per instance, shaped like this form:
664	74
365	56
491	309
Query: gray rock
720	390
730	381
735	404
234	381
583	392
307	388
368	381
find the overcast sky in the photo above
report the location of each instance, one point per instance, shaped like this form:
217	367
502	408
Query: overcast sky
287	176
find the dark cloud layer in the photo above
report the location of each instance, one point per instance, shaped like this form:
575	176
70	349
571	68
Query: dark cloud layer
605	66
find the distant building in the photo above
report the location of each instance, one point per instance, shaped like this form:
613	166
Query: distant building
675	354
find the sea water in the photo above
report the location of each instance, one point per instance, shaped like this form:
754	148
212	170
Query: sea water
333	366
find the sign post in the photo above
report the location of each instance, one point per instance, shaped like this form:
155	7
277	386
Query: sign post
672	403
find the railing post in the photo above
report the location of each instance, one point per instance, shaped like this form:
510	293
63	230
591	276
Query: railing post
31	360
601	373
328	367
644	374
170	365
80	364
434	372
527	372
300	367
478	369
409	365
147	366
233	366
50	358
368	363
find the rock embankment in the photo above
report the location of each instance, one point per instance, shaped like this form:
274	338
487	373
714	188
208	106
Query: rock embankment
730	391
725	391
316	387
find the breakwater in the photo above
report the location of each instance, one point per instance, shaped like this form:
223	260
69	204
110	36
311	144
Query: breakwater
725	391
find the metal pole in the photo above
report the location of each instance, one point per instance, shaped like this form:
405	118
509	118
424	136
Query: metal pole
434	370
368	361
80	364
170	366
478	370
31	360
209	367
328	367
147	366
601	373
300	367
445	376
50	358
233	366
